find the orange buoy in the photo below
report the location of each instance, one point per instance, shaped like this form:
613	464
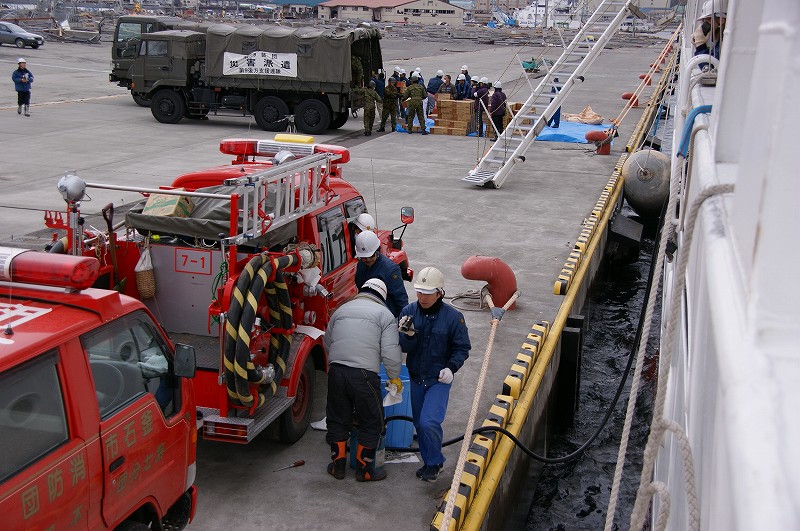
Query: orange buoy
632	97
597	137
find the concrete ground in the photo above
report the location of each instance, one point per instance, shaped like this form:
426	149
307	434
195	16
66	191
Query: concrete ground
81	122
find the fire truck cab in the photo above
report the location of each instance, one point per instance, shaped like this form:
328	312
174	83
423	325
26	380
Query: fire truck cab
97	408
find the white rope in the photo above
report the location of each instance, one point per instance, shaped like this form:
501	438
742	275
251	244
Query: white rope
660	425
465	444
637	373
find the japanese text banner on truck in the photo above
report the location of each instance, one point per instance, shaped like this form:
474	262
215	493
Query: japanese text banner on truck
261	64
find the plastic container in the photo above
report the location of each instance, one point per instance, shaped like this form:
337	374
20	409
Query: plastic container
399	433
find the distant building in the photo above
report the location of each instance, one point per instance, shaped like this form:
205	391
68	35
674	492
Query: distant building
294	8
428	12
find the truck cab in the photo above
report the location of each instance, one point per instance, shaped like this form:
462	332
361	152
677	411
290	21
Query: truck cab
127	35
97	407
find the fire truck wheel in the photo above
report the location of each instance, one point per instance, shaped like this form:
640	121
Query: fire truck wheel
140	100
168	107
132	525
295	420
312	117
339	119
177	516
270	113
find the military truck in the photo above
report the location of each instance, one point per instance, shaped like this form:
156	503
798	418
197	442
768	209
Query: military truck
127	36
281	76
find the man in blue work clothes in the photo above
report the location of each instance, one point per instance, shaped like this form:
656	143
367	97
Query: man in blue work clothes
436	340
374	264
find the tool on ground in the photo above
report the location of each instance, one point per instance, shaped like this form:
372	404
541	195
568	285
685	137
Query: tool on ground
293	465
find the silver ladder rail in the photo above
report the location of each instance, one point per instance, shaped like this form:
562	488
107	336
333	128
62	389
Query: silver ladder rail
298	188
498	162
308	175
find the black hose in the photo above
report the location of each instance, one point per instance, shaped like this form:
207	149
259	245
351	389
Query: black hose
579	452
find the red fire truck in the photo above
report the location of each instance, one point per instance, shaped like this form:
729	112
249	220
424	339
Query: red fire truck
97	408
247	265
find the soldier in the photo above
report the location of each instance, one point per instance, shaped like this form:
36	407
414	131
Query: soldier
390	96
415	94
371	98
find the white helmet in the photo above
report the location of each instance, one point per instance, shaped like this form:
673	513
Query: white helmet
364	222
429	281
439	73
484	80
415	75
497	84
417	69
464	67
461	77
397	69
21	60
377	285
402	70
367	243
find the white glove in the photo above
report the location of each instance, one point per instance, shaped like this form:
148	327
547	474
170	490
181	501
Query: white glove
406	325
446	376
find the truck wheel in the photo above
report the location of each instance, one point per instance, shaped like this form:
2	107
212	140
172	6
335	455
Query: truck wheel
312	116
295	420
270	113
339	119
140	100
168	107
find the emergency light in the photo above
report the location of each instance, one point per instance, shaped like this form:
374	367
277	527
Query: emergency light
249	147
46	269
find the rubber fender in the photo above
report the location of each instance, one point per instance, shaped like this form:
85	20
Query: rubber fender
498	275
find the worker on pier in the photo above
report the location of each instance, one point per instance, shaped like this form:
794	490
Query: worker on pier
436	340
374	264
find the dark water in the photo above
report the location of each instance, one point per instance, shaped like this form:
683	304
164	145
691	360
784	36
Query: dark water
575	495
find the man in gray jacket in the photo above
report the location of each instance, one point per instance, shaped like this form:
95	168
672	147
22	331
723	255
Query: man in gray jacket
360	334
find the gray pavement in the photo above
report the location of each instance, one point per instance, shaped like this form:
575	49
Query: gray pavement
81	122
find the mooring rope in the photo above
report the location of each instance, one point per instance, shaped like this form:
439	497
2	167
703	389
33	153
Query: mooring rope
661	425
462	456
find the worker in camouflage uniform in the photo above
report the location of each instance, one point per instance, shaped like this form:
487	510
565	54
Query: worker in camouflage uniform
371	98
414	95
390	95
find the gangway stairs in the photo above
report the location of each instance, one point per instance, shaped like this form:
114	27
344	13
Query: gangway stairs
551	92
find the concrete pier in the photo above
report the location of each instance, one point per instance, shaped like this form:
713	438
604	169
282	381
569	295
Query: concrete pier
81	122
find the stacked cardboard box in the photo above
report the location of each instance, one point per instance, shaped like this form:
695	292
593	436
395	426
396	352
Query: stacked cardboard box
454	118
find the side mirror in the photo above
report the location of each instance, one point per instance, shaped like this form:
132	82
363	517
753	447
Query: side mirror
185	361
407	215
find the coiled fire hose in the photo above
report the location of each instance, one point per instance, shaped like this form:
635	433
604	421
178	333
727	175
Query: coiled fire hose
261	276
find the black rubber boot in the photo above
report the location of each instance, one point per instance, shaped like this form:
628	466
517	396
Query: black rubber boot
338	465
381	129
365	465
27	110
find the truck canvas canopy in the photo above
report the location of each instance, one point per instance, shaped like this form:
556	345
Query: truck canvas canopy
322	55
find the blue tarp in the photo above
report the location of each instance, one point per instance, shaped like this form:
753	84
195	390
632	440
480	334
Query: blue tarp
428	124
570	132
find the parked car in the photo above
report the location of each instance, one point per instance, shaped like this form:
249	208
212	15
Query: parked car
20	37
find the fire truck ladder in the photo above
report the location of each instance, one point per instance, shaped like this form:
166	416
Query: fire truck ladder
299	186
496	165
